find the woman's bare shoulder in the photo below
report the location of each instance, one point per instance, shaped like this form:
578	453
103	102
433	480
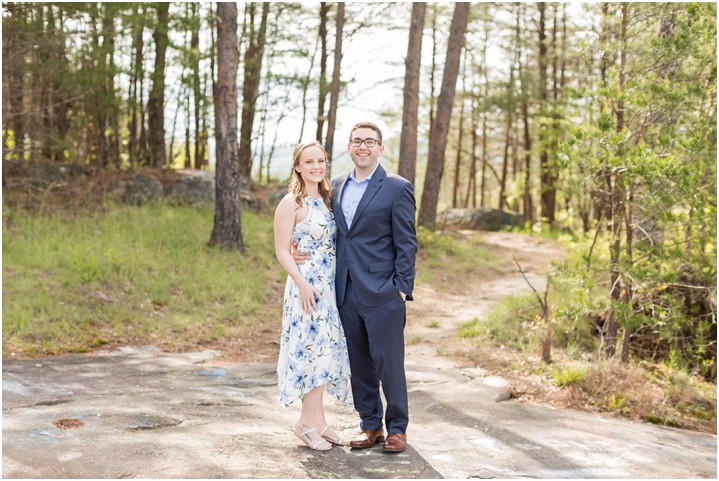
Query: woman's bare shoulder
286	203
289	204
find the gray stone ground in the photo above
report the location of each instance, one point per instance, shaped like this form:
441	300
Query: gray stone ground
149	414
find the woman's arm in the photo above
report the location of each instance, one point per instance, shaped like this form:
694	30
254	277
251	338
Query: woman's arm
285	216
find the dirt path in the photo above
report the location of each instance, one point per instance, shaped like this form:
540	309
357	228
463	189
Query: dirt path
439	311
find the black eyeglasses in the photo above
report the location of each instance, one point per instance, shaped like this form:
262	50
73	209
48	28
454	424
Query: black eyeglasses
368	142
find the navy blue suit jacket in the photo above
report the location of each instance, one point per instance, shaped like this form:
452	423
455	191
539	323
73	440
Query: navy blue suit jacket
379	249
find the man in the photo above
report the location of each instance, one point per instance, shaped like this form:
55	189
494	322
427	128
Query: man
376	247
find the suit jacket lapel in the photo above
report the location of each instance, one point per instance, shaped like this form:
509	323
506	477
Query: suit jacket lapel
337	205
374	185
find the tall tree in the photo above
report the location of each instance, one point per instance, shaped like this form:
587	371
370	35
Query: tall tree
156	101
547	175
617	208
322	95
460	135
472	180
197	94
410	106
484	93
254	53
509	124
527	199
137	146
110	115
304	83
227	229
438	139
335	88
433	68
14	47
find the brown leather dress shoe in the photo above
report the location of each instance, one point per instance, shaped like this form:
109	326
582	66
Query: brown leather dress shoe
395	443
367	438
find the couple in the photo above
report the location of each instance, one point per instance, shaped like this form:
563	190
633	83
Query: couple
354	261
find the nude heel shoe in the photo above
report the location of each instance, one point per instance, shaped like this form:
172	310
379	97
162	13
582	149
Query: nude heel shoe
333	437
315	441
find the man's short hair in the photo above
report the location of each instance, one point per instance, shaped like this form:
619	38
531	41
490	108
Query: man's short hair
366	125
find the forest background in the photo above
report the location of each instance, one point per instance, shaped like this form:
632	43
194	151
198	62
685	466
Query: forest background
596	123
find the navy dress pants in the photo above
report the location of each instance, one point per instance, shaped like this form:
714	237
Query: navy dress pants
375	340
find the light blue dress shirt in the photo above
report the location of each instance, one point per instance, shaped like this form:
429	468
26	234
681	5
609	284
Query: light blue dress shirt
352	194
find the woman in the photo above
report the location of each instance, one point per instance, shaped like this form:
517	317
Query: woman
313	350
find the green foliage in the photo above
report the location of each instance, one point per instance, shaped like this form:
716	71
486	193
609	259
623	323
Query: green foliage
450	256
568	375
436	242
615	403
71	283
474	328
514	322
655	174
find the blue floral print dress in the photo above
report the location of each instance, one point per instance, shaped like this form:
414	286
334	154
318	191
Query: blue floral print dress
313	349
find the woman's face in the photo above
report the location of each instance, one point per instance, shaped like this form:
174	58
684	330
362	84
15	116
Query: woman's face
312	165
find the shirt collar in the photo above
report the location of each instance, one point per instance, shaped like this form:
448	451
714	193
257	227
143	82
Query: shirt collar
366	179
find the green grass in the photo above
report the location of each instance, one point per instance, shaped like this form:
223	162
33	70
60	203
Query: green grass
568	375
452	258
512	322
74	282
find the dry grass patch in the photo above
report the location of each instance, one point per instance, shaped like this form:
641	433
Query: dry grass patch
653	393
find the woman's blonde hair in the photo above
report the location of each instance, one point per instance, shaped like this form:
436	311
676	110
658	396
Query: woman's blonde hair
297	183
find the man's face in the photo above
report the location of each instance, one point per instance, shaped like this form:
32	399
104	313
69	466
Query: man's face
364	157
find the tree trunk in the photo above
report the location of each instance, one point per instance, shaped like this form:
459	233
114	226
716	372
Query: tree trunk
324	10
182	99
335	91
460	134
185	100
527	200
43	129
188	134
547	176
197	96
13	74
485	160
408	137
618	209
516	134
458	157
209	77
433	69
507	139
613	178
136	143
485	94
438	139
95	128
273	146
559	76
305	83
250	89
472	182
227	229
619	111
112	116
156	101
50	139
